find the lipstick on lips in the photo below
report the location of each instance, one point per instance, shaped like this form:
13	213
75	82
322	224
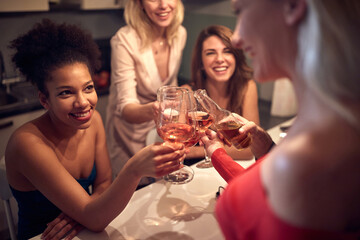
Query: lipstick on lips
82	116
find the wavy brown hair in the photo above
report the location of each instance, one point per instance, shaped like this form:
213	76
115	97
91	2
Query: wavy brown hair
243	73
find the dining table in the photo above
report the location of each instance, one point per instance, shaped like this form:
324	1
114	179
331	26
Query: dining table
164	210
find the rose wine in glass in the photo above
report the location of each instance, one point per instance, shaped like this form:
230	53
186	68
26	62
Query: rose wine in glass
176	132
173	125
204	120
192	141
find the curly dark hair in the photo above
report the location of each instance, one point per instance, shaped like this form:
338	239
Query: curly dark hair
48	46
243	73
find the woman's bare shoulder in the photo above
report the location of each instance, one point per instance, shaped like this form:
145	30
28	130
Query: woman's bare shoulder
29	130
25	136
26	141
302	174
251	83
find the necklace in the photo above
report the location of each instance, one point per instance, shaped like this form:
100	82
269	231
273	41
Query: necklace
162	46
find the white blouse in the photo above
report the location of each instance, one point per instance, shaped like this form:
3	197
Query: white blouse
134	79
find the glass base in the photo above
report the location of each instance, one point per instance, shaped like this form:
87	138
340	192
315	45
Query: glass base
181	176
204	164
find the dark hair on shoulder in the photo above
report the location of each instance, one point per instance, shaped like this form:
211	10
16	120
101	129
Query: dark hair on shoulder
48	46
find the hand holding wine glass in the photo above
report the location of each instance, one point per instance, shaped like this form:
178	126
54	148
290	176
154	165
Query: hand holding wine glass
174	125
261	141
225	123
212	141
156	160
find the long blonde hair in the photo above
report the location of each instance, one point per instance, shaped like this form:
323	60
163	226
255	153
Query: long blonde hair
136	17
329	50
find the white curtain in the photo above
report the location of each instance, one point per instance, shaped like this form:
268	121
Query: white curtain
283	100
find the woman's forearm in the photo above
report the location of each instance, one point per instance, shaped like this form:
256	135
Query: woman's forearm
196	152
100	211
138	113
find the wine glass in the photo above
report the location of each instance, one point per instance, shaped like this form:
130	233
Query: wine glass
224	121
204	121
174	125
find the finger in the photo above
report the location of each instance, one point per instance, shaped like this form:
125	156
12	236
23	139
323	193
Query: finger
158	149
168	147
65	229
208	132
61	228
168	168
174	156
202	133
182	159
223	139
161	171
246	142
249	127
51	225
156	106
213	135
205	139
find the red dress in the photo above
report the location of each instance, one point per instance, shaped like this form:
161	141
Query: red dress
244	213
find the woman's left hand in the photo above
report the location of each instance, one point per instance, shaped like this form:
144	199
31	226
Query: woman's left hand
211	141
62	226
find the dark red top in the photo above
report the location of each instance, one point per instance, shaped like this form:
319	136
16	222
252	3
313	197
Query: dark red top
244	213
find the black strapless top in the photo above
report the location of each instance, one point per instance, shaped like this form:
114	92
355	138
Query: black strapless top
35	210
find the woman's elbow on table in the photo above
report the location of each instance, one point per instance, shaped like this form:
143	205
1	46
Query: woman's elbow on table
97	227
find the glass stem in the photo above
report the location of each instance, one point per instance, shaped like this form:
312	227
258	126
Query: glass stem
207	159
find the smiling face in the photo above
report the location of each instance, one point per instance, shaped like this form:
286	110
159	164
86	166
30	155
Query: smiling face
71	97
160	12
261	32
217	60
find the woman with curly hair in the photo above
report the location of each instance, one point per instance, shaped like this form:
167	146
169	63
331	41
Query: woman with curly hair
52	160
222	70
146	54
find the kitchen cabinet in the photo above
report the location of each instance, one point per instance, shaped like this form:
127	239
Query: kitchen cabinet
96	4
24	5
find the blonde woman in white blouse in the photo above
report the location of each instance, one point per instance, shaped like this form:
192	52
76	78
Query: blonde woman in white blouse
146	54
